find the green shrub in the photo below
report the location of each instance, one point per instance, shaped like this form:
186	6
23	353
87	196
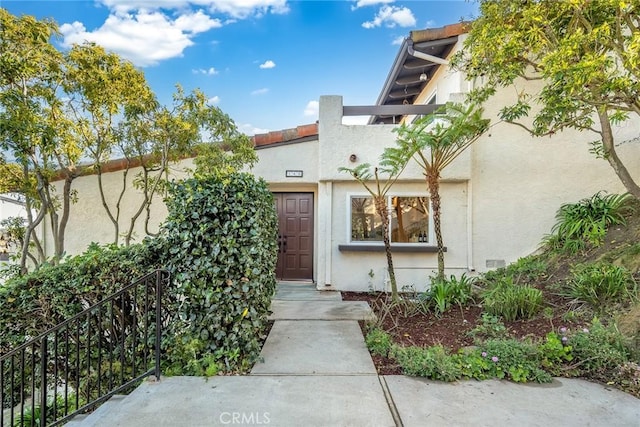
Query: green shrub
503	359
512	301
490	327
599	284
221	241
445	293
525	269
588	220
514	360
431	362
598	350
378	342
555	353
35	302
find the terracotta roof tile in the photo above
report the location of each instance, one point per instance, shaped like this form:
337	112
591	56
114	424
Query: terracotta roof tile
285	135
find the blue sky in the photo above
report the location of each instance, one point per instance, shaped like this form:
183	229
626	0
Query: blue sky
263	62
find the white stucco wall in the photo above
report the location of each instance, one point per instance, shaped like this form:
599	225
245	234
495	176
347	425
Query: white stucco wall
276	160
350	269
88	219
519	182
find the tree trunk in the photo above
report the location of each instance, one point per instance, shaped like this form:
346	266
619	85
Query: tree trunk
433	181
381	208
611	155
66	207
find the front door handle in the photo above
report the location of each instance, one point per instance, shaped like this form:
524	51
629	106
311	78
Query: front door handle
284	244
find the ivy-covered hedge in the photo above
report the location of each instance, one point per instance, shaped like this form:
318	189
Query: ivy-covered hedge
220	239
33	303
219	243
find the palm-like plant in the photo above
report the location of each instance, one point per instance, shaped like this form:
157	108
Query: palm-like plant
434	141
378	187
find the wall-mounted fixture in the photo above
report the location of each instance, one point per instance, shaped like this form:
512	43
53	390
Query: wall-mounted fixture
353	158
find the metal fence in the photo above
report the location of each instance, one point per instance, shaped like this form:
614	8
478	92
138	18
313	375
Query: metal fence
74	366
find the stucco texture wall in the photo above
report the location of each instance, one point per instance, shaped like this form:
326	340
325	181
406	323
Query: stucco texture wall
88	219
350	269
520	181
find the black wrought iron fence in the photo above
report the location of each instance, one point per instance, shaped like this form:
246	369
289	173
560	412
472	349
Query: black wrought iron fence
74	366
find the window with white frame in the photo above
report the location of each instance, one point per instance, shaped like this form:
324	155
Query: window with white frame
409	219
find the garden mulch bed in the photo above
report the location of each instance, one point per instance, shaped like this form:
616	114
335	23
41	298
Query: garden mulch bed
451	329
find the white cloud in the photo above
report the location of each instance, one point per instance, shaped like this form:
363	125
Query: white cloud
398	40
234	8
262	91
145	38
245	8
268	64
214	100
210	72
430	24
364	3
390	16
312	108
249	129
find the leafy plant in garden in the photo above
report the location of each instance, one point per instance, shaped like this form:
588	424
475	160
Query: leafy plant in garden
490	327
434	141
524	270
220	239
515	360
431	362
378	342
597	350
599	284
445	293
555	352
586	221
511	301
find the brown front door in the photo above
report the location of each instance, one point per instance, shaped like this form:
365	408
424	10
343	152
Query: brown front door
295	236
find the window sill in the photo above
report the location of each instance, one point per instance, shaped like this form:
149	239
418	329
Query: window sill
354	247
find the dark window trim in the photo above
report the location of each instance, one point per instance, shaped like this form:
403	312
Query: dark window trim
394	248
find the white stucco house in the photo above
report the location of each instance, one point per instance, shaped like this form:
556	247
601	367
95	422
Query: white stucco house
499	198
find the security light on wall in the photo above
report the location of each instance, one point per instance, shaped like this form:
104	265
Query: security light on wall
423	77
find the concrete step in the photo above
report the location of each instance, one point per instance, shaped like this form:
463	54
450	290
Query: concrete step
102	413
320	310
310	401
314	347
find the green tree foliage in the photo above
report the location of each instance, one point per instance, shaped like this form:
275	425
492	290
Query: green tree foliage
434	141
32	127
220	240
87	105
102	88
585	55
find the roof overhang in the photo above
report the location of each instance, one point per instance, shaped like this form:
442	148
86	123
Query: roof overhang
420	56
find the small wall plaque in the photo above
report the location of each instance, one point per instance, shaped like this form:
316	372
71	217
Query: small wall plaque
293	174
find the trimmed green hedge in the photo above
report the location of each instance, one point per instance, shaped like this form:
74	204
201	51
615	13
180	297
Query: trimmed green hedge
33	303
221	241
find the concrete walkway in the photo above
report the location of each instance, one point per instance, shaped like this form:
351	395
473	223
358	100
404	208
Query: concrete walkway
316	371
